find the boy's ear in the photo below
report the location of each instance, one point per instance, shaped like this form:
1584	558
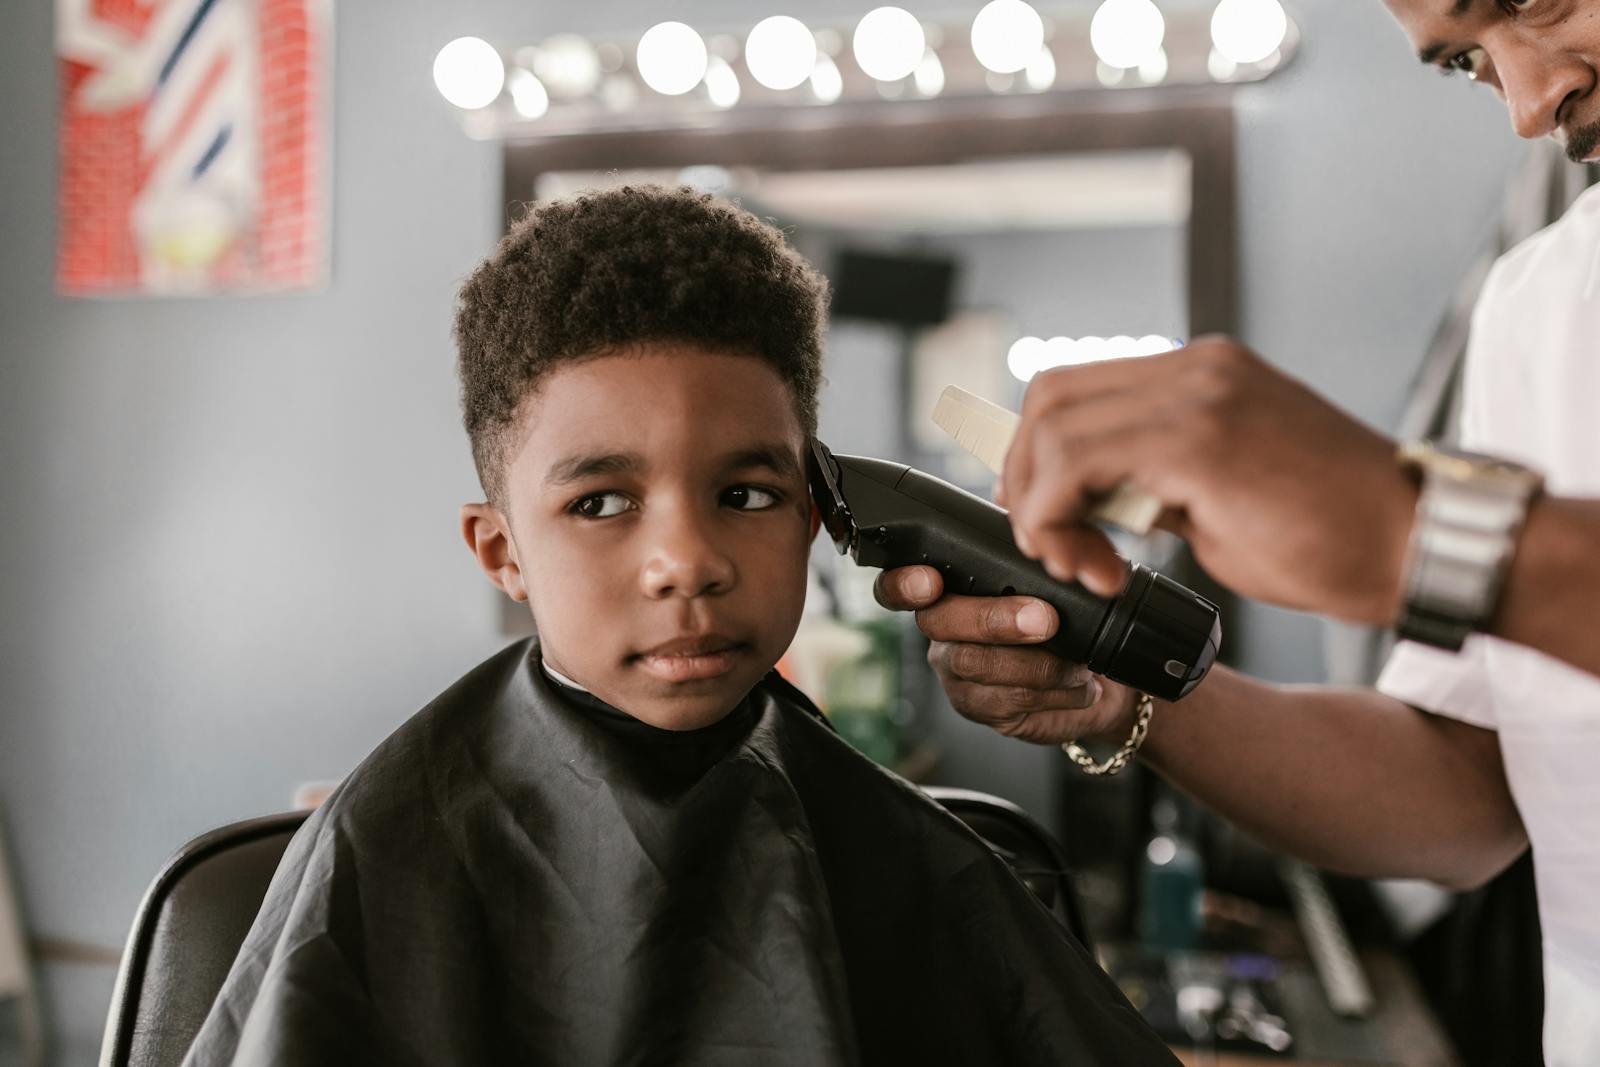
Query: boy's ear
816	521
489	537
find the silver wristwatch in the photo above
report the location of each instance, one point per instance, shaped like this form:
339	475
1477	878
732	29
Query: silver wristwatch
1469	513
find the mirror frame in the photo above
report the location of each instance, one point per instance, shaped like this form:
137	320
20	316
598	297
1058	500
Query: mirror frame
1199	122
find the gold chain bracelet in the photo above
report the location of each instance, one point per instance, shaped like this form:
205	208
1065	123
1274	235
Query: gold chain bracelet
1124	755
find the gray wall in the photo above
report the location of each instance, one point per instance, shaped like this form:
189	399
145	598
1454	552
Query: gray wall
228	560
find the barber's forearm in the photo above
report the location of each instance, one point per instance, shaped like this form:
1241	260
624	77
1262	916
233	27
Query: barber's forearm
1350	780
1551	600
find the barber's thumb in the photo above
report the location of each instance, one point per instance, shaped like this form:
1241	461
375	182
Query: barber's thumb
908	588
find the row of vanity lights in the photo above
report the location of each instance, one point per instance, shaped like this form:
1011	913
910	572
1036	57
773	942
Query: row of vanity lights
891	46
1030	356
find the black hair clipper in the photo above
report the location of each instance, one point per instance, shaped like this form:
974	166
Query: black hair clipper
1156	636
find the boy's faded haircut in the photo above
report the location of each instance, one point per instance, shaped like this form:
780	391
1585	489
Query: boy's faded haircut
606	271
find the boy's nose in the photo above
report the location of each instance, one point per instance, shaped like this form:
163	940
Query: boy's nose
685	562
1540	85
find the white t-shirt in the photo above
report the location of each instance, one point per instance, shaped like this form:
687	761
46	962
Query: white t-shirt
1531	393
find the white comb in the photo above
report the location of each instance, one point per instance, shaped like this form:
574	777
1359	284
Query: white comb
985	429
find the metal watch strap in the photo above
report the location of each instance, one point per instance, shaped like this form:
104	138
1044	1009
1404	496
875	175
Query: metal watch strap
1469	513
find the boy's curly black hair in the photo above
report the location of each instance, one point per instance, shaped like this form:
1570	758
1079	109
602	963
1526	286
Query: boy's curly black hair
608	270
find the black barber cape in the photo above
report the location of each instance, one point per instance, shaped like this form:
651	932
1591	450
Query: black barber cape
522	874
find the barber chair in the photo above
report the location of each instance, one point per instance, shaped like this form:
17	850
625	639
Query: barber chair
196	913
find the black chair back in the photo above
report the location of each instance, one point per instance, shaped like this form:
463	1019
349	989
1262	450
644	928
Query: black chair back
185	935
1035	856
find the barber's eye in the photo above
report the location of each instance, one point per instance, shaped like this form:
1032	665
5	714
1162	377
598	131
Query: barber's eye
749	498
1471	62
600	505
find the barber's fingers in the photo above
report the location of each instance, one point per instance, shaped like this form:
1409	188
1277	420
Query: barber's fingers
989	620
1073	552
1028	715
908	588
1005	666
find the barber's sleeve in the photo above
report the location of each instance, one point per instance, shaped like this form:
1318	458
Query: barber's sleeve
1457	683
1446	683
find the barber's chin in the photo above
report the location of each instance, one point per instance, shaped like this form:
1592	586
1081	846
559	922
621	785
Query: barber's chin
1581	145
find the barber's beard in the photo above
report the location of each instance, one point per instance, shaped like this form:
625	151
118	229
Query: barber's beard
1582	142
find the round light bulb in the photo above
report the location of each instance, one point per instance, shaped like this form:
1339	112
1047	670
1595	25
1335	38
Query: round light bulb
1124	33
722	84
1041	70
1248	31
1006	35
780	52
1153	71
528	94
1026	358
826	82
929	74
469	73
671	58
888	43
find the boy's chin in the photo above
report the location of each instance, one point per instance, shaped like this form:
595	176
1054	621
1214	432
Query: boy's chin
689	707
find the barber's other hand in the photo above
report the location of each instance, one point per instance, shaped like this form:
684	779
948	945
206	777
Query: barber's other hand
1282	496
980	652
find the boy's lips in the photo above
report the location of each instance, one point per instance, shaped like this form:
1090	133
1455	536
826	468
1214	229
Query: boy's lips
687	659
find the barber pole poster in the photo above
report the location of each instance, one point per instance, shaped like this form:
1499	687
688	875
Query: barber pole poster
193	145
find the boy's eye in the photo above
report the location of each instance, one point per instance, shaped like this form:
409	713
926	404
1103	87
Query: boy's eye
600	505
749	498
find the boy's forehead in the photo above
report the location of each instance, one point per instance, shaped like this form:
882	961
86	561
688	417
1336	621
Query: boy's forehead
675	405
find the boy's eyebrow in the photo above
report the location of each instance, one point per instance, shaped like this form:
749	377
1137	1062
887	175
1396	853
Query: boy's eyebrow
576	468
775	457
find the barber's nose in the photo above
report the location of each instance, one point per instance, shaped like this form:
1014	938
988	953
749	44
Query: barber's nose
685	561
1539	88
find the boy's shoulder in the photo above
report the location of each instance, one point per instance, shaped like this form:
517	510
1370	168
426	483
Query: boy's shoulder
412	772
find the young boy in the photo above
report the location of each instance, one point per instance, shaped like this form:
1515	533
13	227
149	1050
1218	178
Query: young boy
629	842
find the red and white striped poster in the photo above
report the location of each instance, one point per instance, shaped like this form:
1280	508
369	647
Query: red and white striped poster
194	148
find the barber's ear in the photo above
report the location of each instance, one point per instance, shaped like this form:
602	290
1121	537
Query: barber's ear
816	521
488	535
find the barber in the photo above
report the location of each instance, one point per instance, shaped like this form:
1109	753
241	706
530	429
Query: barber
1483	732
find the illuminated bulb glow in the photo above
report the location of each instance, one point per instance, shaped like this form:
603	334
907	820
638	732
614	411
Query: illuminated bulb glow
1220	67
1031	355
722	84
1248	31
528	95
1125	33
929	74
780	52
1041	70
671	58
888	43
1153	71
469	73
826	83
568	65
1006	35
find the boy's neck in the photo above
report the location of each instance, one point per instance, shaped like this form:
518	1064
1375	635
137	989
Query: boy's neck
557	676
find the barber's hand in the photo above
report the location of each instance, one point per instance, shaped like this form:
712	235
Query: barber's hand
980	652
1283	497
